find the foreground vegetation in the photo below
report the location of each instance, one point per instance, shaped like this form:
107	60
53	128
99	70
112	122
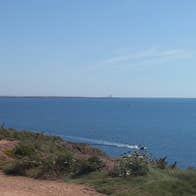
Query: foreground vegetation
41	156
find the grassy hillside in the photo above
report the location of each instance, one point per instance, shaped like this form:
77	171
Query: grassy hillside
156	183
41	156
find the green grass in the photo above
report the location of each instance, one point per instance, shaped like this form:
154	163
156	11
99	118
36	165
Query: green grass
157	183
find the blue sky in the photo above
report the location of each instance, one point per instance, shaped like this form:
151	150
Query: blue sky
127	48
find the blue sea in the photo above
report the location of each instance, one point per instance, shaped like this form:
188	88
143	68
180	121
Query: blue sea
167	127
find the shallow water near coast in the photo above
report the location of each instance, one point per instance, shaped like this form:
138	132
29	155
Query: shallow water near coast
167	127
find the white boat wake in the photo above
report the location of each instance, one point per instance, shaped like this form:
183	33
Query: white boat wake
104	143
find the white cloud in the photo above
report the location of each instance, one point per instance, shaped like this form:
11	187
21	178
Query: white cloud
148	54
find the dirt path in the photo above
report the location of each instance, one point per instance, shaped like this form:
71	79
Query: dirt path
22	186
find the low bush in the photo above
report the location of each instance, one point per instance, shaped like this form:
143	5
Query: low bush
59	165
19	168
82	167
43	165
22	150
95	163
161	163
63	162
136	165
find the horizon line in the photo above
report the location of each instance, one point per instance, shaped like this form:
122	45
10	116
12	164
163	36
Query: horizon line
98	97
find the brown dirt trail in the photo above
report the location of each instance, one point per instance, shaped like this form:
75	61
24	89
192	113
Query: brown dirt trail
22	186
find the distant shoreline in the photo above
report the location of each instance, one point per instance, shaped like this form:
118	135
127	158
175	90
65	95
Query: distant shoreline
83	97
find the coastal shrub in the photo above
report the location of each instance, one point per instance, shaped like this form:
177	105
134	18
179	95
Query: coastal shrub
19	167
22	150
63	162
95	163
82	167
135	165
58	165
161	163
46	168
174	165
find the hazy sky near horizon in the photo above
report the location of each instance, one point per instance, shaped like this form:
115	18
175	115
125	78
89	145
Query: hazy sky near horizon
126	48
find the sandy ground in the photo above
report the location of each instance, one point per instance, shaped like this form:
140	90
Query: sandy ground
22	186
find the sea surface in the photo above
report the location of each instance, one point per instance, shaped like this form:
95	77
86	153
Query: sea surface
167	127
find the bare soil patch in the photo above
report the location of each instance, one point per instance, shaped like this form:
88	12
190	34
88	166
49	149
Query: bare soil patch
23	186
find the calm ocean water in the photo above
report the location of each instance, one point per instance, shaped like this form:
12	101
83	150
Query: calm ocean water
167	127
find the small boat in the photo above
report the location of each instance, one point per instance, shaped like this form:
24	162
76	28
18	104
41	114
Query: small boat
142	147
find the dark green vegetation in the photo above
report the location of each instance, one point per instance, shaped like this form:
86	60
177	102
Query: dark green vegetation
40	156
